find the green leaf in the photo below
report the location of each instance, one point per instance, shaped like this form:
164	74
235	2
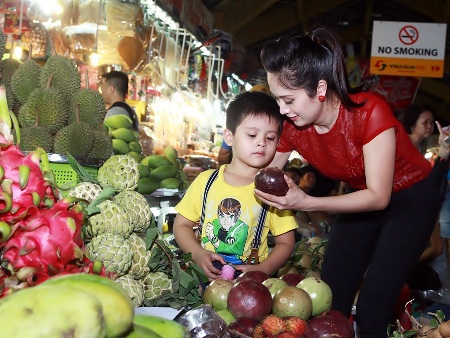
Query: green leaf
150	237
81	172
104	195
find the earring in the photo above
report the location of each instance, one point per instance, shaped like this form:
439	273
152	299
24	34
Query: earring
321	98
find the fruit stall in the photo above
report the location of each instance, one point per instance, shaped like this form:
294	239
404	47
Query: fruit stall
87	203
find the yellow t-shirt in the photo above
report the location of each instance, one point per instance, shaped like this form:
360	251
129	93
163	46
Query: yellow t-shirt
231	217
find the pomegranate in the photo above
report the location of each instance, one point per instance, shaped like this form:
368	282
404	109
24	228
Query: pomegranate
274	285
331	324
320	294
259	276
271	180
249	298
292	279
216	294
244	325
292	301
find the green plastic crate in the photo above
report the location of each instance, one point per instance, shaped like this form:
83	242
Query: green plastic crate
64	173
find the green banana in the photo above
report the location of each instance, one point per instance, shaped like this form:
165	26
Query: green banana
165	328
51	311
140	331
118	121
118	309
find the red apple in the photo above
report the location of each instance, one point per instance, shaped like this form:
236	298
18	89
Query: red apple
292	279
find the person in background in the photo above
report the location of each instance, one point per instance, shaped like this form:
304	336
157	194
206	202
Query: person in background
418	121
253	127
430	273
114	90
225	155
385	222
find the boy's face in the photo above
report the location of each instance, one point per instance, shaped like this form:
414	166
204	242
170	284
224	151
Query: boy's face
255	141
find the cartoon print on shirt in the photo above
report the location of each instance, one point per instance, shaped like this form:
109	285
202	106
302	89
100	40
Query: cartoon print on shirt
227	233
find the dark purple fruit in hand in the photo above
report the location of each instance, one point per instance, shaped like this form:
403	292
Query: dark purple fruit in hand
271	180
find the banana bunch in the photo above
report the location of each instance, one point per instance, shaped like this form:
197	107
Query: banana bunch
125	140
161	171
80	306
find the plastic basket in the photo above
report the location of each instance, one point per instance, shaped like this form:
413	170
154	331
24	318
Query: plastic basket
64	173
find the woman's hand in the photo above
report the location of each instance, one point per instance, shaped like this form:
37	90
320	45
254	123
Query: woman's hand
204	259
293	199
444	150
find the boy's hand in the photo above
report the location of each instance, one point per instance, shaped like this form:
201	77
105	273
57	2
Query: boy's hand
205	259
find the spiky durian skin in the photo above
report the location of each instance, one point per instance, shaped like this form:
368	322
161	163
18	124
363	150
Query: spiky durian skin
7	69
64	73
75	139
34	137
102	145
2	43
46	108
23	82
91	107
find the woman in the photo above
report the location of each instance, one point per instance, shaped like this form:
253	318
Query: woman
418	121
385	223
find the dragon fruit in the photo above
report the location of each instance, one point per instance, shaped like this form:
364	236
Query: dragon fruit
22	182
47	239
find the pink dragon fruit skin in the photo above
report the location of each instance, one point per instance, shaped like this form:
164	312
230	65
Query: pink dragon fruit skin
47	239
37	190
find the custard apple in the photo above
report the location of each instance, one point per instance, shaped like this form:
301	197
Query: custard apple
134	288
156	284
85	190
120	172
112	218
113	250
141	256
137	206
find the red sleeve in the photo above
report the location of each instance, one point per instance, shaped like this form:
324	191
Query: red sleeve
381	117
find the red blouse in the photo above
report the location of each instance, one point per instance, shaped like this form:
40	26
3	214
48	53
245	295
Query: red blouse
338	154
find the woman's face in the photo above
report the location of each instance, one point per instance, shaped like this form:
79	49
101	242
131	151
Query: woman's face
295	104
424	126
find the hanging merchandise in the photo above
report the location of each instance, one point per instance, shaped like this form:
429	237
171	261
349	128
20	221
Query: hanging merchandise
35	41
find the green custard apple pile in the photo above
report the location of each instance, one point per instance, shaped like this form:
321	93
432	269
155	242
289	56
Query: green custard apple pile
121	232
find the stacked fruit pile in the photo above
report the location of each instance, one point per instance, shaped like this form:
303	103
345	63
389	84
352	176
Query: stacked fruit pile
40	233
125	140
98	308
257	305
162	171
121	232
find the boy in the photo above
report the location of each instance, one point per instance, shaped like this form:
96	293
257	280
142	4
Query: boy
231	210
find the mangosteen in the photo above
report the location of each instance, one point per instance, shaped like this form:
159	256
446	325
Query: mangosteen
271	180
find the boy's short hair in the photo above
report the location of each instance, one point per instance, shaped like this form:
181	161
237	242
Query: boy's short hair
253	104
118	80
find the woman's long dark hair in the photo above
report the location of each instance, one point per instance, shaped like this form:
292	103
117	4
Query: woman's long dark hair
301	61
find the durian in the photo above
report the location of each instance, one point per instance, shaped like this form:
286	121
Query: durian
23	81
34	137
102	145
7	70
47	106
2	44
66	77
75	139
91	105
